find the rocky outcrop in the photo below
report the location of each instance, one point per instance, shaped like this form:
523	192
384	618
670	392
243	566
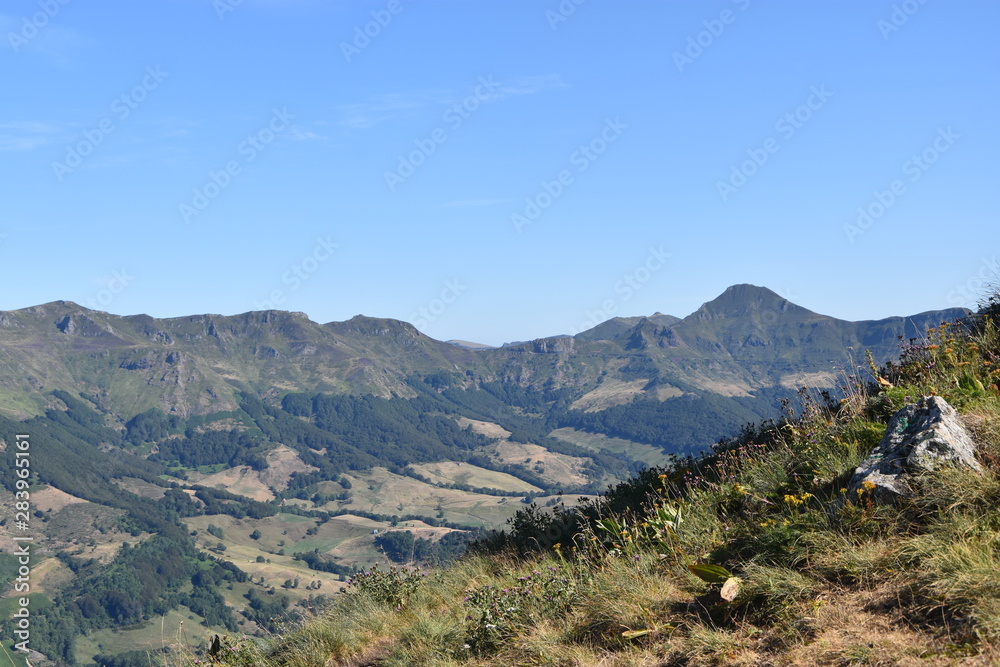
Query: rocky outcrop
554	345
920	437
66	325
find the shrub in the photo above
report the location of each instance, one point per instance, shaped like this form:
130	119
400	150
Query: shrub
497	614
391	588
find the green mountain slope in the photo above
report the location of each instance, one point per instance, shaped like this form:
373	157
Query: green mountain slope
195	365
745	344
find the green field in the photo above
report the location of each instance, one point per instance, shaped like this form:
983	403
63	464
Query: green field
8	568
454	472
10	657
180	629
10	605
382	492
339	534
596	442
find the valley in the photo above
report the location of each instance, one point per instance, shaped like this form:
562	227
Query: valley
230	471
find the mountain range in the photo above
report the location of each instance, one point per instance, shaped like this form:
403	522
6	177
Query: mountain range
745	342
199	468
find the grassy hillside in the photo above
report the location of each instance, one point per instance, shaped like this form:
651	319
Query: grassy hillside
812	576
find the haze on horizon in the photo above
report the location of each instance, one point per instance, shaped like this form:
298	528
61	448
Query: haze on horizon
491	172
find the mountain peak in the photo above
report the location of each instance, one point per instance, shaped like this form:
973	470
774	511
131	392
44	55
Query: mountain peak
746	300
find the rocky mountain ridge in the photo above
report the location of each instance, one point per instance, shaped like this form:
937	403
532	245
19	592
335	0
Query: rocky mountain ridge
747	339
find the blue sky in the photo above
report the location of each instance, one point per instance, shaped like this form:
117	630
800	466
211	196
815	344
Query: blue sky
497	170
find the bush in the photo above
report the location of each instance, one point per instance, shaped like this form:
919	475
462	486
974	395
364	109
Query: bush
497	614
392	588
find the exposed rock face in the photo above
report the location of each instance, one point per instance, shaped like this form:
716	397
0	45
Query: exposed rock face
919	437
556	345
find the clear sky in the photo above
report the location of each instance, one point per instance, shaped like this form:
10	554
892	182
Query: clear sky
497	170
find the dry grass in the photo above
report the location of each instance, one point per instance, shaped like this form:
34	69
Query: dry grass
610	393
550	466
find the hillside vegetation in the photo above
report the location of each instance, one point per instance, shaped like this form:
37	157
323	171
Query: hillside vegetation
753	555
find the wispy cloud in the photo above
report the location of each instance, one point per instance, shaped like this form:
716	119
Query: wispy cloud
390	106
60	44
298	134
364	115
176	127
530	85
25	135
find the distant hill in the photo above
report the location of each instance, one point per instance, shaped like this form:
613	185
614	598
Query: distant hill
618	325
745	340
196	364
471	346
